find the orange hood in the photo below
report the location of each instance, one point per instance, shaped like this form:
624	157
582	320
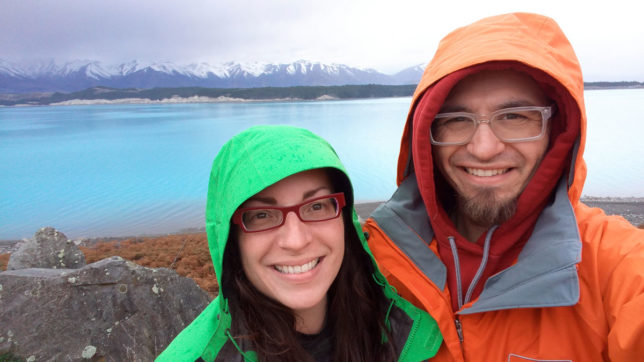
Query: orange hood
528	43
531	40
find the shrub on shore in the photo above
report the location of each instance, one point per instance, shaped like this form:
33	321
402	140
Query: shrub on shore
187	254
4	260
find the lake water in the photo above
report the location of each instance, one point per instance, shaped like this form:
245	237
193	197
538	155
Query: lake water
112	170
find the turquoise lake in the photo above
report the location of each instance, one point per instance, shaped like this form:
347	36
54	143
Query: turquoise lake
116	170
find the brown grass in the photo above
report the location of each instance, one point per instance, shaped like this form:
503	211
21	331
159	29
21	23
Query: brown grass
187	254
4	259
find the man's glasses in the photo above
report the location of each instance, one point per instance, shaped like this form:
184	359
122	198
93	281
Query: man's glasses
254	219
517	124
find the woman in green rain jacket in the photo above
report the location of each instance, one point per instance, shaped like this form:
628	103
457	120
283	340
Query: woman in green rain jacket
298	285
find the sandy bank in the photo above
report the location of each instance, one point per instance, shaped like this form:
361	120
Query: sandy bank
176	100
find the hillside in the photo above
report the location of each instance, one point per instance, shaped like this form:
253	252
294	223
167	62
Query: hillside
106	95
196	94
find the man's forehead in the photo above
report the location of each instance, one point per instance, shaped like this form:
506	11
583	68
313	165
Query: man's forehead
495	89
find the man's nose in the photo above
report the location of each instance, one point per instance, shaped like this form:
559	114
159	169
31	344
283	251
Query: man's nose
295	233
484	145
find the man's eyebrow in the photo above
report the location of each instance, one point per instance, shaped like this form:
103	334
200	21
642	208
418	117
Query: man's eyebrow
451	108
516	103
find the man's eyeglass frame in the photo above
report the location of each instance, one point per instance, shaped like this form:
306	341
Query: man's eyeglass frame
546	115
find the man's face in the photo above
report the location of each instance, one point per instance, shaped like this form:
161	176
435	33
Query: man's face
487	173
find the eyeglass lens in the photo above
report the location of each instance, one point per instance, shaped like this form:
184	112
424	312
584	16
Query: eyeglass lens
266	218
508	124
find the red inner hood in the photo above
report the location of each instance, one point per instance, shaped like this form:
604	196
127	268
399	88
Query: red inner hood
510	237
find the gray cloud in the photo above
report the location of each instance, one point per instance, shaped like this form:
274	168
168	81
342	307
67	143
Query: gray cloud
384	35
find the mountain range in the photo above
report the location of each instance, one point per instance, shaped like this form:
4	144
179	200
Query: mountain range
50	76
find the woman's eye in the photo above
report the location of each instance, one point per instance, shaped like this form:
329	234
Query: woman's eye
255	216
317	206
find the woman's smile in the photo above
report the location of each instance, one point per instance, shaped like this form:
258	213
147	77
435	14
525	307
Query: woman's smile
297	269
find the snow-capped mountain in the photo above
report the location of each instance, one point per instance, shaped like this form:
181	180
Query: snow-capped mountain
50	76
410	75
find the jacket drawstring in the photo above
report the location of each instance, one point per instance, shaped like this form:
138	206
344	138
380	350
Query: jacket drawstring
479	272
391	305
459	293
235	343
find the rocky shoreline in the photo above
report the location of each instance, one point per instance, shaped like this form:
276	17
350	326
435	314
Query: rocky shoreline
631	208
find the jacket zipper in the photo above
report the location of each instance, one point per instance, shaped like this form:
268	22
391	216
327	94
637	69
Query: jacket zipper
459	330
457	270
459	292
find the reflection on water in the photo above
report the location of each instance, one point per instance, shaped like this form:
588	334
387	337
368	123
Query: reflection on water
614	151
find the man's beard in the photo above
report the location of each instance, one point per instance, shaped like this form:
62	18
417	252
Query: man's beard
484	209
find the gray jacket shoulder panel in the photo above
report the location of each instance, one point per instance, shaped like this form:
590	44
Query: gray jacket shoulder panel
404	219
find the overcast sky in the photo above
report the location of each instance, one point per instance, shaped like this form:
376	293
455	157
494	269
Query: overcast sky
384	35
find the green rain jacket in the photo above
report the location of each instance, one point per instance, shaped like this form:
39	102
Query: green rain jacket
246	164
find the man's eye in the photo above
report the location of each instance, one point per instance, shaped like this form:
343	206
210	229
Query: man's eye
453	123
456	120
512	116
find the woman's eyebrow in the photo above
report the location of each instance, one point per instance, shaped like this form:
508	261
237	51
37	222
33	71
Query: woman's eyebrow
313	192
263	199
271	200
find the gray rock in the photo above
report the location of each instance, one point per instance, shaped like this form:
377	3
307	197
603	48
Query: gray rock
48	249
112	310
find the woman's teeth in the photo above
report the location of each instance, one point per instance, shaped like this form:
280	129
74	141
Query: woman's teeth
485	173
296	269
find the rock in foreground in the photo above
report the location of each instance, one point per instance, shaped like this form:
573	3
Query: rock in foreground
112	310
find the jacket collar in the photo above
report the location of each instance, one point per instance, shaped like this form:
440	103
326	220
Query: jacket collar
544	275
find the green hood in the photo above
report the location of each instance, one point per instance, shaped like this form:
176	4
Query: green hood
252	161
248	163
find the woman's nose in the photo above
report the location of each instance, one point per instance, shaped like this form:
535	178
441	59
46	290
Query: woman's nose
294	233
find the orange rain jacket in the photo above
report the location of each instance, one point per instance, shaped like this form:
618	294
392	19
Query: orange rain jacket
574	287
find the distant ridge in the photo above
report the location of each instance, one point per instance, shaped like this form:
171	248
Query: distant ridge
49	76
105	95
48	82
612	85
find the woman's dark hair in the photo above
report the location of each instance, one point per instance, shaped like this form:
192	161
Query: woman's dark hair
356	309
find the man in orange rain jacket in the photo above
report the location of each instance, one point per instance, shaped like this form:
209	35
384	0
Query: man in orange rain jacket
486	231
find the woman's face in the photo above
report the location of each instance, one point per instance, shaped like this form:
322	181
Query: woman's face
295	263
